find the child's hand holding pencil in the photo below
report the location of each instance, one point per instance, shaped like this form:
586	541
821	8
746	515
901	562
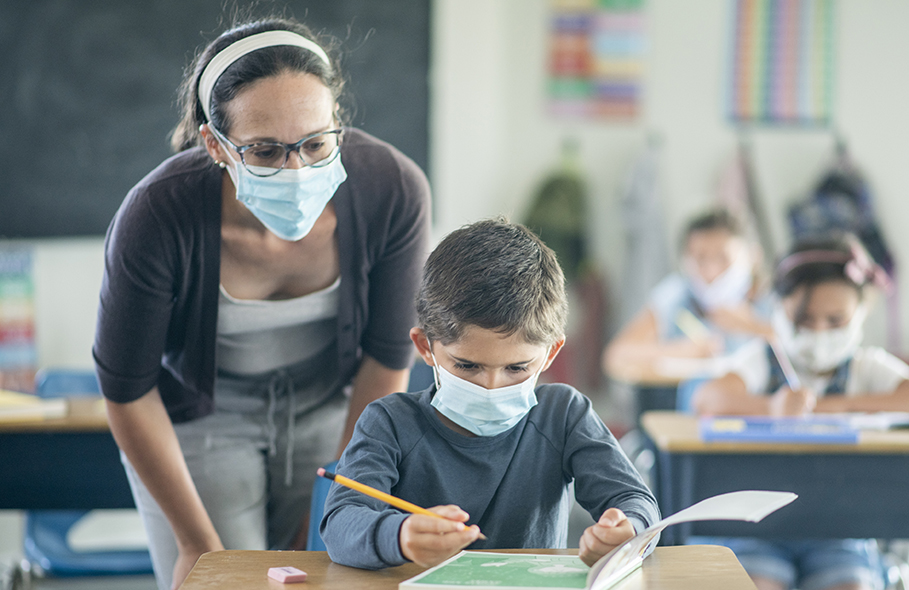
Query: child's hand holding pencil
428	541
427	537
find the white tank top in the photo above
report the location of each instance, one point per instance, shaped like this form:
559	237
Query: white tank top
255	336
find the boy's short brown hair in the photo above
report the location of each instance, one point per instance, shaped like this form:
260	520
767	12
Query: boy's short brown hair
495	275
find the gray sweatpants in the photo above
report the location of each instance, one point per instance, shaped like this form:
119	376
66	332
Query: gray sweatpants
253	466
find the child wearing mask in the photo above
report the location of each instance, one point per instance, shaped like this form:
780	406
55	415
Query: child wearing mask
485	446
822	287
717	288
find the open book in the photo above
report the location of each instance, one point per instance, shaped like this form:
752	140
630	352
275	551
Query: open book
518	571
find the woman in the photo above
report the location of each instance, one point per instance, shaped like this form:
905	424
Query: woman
251	281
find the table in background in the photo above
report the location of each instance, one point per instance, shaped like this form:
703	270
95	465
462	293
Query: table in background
844	490
62	463
692	567
650	390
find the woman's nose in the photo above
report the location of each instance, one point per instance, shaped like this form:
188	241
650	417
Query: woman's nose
294	161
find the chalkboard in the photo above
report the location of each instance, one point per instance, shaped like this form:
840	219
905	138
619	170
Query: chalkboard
88	93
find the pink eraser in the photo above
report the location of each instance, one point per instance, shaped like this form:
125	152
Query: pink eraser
287	575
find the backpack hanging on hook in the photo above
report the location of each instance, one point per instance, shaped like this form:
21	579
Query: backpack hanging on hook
841	201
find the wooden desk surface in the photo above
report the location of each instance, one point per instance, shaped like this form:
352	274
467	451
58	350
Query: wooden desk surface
678	433
84	414
690	567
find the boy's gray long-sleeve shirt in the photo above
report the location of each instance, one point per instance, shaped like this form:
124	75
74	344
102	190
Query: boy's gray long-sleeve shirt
514	485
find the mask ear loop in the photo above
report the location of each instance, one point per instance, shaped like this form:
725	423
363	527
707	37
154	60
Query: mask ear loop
435	369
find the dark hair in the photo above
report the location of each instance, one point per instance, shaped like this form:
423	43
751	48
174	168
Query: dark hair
715	219
262	63
815	260
837	258
494	275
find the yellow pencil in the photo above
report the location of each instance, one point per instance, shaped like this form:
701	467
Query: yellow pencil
374	493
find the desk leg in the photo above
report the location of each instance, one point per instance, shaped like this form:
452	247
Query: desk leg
675	492
664	494
686	474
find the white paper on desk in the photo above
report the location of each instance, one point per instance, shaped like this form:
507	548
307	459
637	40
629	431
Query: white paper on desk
748	505
876	420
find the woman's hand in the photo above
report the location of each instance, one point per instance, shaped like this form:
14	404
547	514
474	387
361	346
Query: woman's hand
786	402
428	541
606	534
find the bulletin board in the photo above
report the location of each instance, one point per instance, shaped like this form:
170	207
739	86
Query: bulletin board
782	62
596	58
89	93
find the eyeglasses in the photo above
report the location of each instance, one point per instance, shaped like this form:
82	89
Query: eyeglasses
267	159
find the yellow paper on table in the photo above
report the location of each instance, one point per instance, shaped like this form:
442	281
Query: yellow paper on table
25	407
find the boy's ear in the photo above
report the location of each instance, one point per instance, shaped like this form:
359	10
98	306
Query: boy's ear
422	343
553	352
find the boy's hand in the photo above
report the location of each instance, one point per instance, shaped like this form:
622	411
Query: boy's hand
786	402
610	531
429	541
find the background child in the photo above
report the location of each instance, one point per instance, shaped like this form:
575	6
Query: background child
717	286
818	321
484	445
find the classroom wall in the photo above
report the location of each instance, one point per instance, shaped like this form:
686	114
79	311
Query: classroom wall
491	141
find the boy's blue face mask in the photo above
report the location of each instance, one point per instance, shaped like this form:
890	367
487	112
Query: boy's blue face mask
484	412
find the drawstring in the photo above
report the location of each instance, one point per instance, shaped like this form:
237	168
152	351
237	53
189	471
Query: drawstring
291	422
272	405
282	382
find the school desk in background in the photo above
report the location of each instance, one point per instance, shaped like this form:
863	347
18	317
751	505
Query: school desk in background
846	490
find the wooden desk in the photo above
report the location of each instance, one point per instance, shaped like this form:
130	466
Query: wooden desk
844	490
67	463
692	567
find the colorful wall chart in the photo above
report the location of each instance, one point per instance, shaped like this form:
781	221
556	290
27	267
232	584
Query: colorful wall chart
596	58
782	61
18	352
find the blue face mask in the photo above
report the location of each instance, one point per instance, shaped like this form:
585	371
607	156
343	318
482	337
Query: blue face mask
484	412
289	202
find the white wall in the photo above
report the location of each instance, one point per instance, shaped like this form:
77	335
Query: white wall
492	140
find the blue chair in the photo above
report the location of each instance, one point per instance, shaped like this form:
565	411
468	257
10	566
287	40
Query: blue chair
45	542
686	393
317	508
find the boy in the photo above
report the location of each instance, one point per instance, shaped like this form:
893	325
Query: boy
484	445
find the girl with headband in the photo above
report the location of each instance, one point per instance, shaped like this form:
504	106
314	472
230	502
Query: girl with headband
823	289
258	293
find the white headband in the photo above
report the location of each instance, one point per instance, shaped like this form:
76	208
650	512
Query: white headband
235	51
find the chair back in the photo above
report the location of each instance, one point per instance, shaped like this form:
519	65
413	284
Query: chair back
317	508
66	382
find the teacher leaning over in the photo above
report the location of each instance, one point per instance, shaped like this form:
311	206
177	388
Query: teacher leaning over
258	293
